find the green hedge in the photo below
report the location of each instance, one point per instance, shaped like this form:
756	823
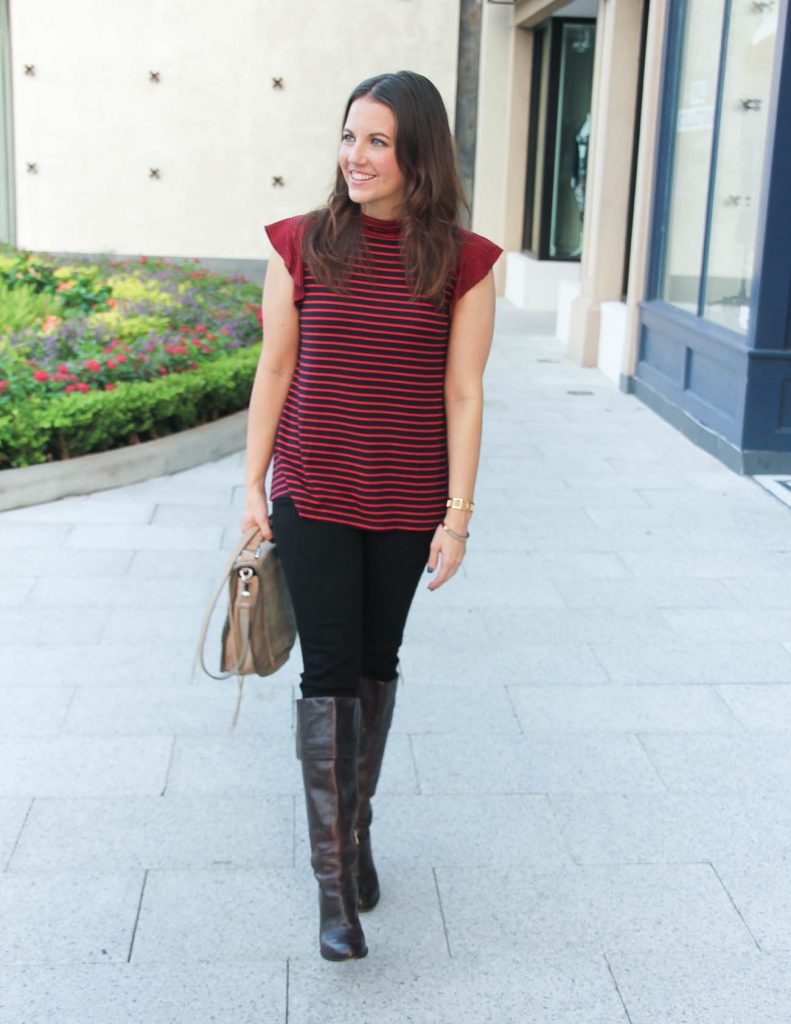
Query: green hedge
45	430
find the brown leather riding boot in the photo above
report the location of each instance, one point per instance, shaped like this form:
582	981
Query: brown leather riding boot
378	700
328	743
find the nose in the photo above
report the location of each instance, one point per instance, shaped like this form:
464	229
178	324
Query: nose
356	152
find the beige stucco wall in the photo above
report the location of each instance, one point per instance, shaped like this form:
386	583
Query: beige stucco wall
215	127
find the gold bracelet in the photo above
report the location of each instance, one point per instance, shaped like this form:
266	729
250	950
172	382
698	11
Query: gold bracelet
465	504
458	536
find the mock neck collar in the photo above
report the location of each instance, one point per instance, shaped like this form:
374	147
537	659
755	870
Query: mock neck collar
383	228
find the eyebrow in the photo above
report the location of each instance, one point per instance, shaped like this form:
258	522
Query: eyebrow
384	135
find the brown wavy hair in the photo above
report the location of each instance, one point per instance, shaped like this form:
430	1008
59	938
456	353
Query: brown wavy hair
433	200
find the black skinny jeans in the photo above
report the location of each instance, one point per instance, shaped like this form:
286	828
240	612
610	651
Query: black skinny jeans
351	589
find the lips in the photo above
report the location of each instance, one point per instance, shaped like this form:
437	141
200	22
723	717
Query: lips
359	178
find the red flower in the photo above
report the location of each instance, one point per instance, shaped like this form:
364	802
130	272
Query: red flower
164	371
120	359
60	376
109	387
71	387
93	365
3	386
41	375
63	368
185	330
200	327
110	364
144	259
83	387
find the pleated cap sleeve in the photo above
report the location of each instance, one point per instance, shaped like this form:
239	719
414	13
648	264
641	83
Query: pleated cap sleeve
286	238
477	256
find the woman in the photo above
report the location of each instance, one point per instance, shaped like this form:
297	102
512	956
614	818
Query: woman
378	313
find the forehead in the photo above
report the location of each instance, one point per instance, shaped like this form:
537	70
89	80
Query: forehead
371	117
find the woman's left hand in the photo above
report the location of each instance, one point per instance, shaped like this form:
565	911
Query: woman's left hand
448	552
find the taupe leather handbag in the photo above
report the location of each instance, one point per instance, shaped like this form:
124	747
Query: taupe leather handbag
259	629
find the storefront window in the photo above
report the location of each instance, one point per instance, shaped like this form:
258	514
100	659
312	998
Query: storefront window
572	141
560	119
719	145
739	164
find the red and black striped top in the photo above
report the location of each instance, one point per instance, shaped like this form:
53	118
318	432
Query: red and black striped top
361	439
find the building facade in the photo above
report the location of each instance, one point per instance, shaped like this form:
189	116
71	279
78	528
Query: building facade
648	195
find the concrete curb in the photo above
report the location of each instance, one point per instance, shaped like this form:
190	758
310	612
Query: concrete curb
32	485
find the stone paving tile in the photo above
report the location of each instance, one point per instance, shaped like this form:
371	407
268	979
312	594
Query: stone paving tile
711	988
455	708
119	592
173	831
14	590
548	665
242	915
170	993
154	625
706	565
424	664
204	708
180	538
71	625
568	626
163	489
61	561
83	766
688	661
761	591
98	664
468	990
596	909
180	514
33	710
728	623
68	917
186	567
558	763
266	764
750	761
645	593
12	816
460	628
622	828
82	509
761	890
458	830
618	709
44	535
764	707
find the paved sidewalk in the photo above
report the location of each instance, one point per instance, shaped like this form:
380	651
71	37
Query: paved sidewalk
584	813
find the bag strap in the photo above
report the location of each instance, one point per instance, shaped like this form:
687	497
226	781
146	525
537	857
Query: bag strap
246	540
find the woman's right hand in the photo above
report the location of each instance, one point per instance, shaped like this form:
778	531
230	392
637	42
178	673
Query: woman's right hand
256	512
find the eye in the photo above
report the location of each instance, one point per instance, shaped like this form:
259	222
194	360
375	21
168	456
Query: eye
347	137
380	142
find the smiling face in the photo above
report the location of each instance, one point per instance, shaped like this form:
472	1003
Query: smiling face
367	159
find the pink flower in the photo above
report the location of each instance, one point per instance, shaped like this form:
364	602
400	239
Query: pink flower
3	386
110	364
83	387
41	375
93	365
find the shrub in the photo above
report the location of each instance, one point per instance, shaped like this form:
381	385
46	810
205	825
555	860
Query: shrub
43	430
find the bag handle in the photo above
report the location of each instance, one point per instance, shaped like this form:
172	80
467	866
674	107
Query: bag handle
246	540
